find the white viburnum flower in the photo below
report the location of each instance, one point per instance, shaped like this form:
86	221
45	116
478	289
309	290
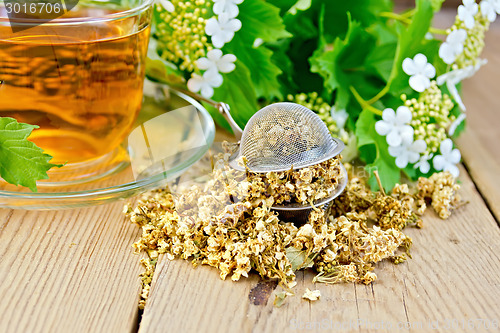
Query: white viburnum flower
408	152
448	159
227	6
455	123
222	29
495	4
339	116
167	5
423	163
488	10
395	125
456	76
205	83
420	72
217	62
453	46
466	13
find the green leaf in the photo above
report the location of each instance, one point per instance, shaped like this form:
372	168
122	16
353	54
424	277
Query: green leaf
283	5
337	65
263	72
436	5
260	19
281	59
339	13
410	39
381	59
160	70
365	127
280	298
21	161
384	31
237	91
388	172
345	65
411	172
369	139
298	258
300	5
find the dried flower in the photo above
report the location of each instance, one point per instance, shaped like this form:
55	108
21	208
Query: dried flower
311	295
228	223
441	190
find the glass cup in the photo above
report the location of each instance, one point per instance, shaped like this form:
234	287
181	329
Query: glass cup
79	77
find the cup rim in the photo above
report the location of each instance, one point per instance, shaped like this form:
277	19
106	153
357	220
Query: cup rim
81	20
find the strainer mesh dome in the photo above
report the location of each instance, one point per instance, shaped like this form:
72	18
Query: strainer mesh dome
283	135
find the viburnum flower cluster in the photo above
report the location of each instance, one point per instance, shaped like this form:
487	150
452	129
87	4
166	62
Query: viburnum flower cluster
191	37
206	40
418	132
465	42
221	29
180	32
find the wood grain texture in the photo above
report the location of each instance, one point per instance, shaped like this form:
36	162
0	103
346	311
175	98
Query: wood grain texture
480	143
454	274
68	271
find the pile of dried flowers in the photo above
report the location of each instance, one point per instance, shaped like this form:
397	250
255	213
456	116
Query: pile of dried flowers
228	223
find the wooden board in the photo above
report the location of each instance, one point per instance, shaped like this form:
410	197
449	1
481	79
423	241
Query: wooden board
480	143
75	271
68	271
454	274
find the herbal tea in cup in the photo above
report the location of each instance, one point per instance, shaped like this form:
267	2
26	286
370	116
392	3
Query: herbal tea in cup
78	77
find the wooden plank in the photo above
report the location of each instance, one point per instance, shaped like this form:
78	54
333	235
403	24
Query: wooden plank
68	271
479	144
454	274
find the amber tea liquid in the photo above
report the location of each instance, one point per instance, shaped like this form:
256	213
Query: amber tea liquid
81	85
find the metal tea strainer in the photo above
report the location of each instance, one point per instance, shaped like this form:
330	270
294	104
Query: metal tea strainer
284	136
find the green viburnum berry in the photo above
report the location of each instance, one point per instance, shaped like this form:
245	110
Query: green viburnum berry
430	116
181	32
315	103
474	42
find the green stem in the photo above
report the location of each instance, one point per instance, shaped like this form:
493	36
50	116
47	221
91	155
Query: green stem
404	18
363	103
396	16
409	13
438	31
379	95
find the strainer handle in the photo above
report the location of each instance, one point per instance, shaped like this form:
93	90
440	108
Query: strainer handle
223	108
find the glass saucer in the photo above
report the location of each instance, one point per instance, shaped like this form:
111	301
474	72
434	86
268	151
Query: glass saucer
173	132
